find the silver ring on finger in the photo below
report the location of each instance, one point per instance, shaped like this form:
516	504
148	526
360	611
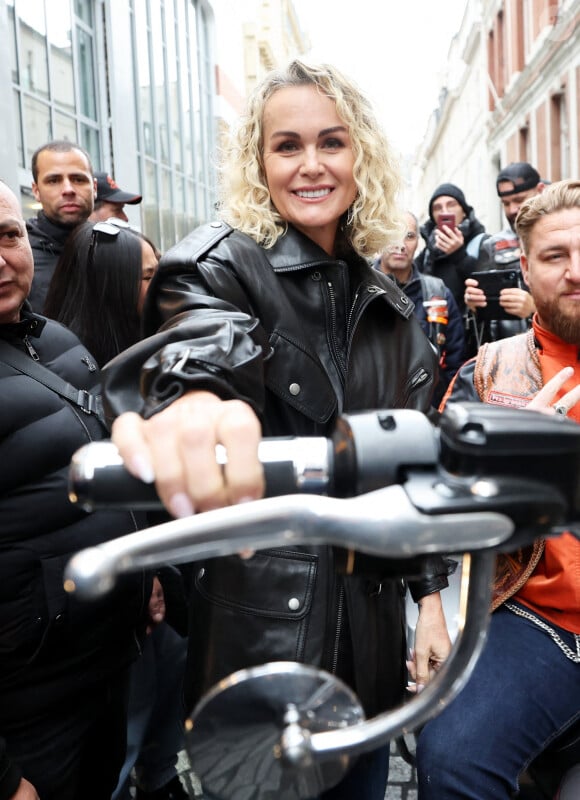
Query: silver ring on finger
561	409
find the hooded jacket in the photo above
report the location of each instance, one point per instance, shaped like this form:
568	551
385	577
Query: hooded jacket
302	337
453	269
54	648
47	239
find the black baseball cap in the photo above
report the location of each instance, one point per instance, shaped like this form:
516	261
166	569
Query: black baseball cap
108	190
521	174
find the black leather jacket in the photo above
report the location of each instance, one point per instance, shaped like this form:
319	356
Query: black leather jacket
302	337
500	251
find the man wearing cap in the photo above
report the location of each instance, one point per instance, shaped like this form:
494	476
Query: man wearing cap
111	199
515	184
451	251
64	185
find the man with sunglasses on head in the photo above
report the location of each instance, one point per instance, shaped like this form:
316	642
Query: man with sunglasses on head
64	185
435	307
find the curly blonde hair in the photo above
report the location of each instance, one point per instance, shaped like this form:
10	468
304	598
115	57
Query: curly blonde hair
372	220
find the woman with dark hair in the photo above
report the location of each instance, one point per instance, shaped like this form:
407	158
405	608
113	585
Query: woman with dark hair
97	291
99	286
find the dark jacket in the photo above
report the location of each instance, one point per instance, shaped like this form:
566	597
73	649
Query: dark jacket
302	337
47	240
452	349
455	268
54	649
500	251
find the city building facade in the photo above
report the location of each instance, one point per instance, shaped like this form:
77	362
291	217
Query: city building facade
512	93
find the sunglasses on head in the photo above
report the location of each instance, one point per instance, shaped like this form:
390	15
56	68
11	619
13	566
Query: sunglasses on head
110	227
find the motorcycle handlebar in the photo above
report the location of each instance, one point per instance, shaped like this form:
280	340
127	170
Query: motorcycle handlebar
486	479
481	480
373	449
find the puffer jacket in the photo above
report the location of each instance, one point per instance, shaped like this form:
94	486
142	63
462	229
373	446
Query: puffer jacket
53	647
302	337
47	240
453	269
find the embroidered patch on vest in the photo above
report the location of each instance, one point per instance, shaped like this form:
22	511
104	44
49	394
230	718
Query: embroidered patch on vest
504	399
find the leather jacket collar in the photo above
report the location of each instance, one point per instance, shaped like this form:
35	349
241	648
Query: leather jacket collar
294	251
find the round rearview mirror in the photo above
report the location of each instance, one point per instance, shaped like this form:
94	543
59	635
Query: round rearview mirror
244	737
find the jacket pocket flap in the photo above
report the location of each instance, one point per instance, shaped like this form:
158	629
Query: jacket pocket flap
248	584
298	379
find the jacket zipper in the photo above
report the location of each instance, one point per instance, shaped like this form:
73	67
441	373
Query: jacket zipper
351	315
418	379
341	366
31	351
339	616
353	319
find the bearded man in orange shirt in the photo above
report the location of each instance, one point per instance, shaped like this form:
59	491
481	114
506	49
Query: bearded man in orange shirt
525	689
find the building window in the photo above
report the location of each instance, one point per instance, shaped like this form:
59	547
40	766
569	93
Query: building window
559	138
519	55
523	143
53	67
175	128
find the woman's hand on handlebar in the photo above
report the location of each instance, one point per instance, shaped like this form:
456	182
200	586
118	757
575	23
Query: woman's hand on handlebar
432	642
176	449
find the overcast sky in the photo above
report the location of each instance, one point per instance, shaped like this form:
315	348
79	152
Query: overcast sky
396	52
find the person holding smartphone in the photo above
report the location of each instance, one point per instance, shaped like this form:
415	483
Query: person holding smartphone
515	183
452	235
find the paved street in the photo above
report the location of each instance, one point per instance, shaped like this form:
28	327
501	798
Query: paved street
402	783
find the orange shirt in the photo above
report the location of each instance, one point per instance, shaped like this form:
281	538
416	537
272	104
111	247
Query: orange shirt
553	590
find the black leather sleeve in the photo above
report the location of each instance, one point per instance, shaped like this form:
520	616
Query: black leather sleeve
202	342
435	572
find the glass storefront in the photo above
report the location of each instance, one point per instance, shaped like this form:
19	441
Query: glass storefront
175	128
64	83
53	71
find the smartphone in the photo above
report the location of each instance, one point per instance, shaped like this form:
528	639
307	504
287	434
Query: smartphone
446	219
492	281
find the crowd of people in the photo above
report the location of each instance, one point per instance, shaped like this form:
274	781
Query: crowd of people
309	297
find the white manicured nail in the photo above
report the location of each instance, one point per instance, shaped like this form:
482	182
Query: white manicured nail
181	506
141	466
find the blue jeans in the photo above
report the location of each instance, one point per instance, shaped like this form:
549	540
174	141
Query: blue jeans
366	780
521	695
155	732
